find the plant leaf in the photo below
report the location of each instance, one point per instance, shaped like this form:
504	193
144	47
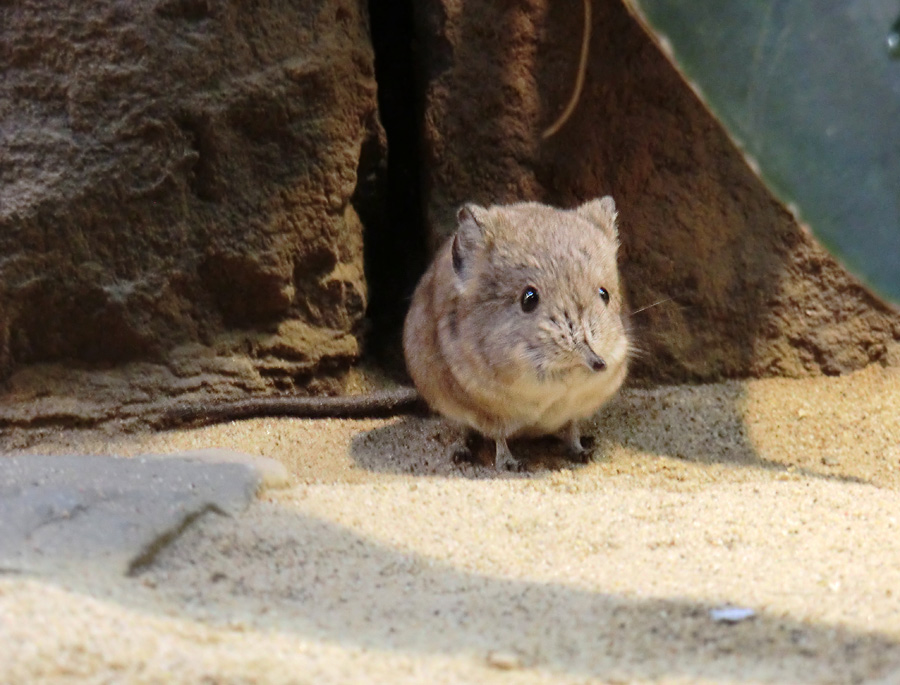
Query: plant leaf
811	93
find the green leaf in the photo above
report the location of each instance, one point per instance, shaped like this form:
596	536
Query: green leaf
811	92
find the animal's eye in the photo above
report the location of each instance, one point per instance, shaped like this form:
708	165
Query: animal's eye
604	295
530	299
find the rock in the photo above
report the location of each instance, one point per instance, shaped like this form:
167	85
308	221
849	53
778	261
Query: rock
731	614
107	513
752	292
183	174
504	661
272	473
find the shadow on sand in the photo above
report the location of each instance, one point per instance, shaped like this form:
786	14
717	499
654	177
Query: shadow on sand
326	582
694	424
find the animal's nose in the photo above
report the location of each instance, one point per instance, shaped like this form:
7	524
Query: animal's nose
595	361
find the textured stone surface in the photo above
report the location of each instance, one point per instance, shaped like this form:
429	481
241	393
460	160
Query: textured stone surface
106	513
184	173
753	293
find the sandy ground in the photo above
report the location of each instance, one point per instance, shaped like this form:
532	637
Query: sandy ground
384	562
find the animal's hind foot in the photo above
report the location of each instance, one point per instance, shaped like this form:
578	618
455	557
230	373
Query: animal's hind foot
473	449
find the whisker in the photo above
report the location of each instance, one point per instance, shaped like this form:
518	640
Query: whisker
636	352
649	306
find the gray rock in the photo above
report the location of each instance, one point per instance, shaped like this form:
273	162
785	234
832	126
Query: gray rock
110	513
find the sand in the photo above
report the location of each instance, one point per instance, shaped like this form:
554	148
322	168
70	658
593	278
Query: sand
384	562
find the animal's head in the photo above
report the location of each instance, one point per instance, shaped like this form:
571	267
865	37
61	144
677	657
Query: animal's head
540	288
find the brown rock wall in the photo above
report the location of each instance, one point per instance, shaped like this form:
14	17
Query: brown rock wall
180	172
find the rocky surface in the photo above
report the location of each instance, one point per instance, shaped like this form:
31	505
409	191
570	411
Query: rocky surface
186	173
752	292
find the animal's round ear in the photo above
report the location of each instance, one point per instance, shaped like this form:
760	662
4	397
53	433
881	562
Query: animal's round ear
602	213
469	235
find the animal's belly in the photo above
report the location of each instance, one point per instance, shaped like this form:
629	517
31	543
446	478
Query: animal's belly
527	408
562	405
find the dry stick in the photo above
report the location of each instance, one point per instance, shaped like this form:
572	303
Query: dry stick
579	77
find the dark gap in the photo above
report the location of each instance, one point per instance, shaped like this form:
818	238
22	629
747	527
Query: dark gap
395	245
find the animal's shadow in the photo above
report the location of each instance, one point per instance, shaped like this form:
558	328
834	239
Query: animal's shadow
695	424
434	447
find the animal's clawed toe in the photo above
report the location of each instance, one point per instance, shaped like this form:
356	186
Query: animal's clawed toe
509	464
461	454
473	449
503	458
585	450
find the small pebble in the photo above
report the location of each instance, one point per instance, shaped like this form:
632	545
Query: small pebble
729	614
504	661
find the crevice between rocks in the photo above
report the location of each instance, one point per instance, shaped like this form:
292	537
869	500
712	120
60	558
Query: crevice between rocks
395	243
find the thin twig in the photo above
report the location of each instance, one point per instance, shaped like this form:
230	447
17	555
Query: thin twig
579	77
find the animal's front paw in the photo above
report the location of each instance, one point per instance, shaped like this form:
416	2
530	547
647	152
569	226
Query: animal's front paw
585	450
580	447
509	463
503	458
588	443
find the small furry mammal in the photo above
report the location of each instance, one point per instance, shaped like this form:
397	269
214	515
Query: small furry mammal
517	327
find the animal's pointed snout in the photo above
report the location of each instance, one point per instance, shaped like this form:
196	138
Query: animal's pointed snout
594	360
